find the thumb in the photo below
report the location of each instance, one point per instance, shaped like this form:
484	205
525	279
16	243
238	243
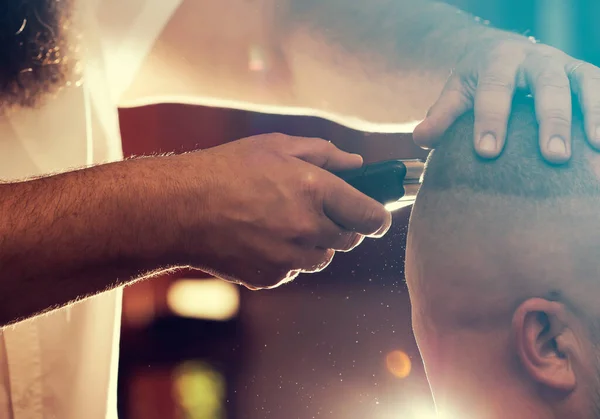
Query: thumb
324	154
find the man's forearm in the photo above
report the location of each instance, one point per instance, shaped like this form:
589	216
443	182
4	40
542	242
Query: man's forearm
378	63
73	235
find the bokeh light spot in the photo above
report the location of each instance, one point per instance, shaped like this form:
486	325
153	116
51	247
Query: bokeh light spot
398	363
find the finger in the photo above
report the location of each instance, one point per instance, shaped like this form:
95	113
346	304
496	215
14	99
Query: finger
315	260
453	102
323	153
336	238
585	82
354	211
552	94
493	100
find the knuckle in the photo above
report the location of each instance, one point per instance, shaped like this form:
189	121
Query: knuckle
385	227
305	233
309	180
351	241
502	49
554	79
344	241
320	263
587	87
492	109
493	82
511	49
546	50
313	142
556	116
580	70
373	217
280	136
327	258
591	76
485	115
323	143
544	53
276	139
454	83
311	186
348	241
323	146
589	92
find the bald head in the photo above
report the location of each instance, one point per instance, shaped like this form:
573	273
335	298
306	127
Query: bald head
525	228
498	250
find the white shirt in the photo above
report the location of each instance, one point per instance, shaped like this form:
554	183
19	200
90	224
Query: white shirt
64	365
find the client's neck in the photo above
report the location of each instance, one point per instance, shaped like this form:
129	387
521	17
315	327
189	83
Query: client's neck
461	390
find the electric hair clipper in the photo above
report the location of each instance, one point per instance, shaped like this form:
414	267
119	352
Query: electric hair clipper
394	183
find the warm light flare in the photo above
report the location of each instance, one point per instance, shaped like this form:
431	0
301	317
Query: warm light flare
209	299
393	206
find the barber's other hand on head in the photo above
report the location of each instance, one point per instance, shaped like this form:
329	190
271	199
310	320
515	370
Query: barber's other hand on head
486	79
270	209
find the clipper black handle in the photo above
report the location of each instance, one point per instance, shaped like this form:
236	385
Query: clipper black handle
382	181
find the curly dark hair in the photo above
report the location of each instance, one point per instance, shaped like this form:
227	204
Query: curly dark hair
35	50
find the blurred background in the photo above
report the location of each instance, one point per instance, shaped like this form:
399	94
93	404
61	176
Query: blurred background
333	345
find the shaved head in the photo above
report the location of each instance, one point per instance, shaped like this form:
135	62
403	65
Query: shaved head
35	50
498	250
519	217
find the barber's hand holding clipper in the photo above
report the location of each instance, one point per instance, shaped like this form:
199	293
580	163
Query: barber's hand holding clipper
267	208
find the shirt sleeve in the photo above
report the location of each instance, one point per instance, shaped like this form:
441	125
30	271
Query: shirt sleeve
128	30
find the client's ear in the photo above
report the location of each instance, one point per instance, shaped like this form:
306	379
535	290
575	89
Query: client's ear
546	343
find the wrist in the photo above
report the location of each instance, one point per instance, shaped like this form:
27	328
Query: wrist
144	200
178	189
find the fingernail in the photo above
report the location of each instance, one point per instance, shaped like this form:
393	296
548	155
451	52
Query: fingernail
557	146
487	143
357	157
